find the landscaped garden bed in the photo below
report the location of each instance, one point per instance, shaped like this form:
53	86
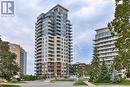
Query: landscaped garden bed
65	79
80	83
125	82
4	85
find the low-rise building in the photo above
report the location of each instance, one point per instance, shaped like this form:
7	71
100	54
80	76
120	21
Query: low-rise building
73	68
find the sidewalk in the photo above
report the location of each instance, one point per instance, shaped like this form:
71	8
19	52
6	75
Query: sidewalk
90	84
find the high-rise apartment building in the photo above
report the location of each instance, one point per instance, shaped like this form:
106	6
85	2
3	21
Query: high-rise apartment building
53	43
105	45
21	56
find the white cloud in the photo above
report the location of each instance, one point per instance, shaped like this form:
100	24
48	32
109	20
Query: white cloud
84	37
88	11
20	28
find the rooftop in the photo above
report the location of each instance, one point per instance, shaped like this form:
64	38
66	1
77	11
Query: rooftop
58	5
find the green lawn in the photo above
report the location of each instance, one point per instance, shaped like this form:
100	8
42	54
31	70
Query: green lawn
80	82
125	82
9	86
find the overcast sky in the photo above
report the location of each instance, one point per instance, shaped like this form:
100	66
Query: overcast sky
86	16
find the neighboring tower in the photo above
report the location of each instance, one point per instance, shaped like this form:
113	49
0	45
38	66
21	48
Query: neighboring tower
53	43
21	56
105	45
23	61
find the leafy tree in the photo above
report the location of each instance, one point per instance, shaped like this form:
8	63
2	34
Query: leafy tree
104	75
79	72
120	27
115	76
95	66
8	66
87	69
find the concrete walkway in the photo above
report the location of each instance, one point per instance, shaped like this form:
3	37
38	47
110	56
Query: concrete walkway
90	84
46	84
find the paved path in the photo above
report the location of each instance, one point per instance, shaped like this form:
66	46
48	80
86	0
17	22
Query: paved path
90	84
59	84
46	84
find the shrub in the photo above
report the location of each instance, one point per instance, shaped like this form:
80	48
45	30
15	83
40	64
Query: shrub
80	82
14	80
28	77
115	77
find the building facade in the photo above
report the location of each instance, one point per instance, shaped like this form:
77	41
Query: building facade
105	44
21	56
77	66
53	43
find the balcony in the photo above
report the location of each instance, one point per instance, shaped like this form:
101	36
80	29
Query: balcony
38	49
38	43
69	30
50	59
58	16
51	44
38	56
50	37
39	26
58	31
105	48
58	40
107	51
58	20
38	30
108	55
51	26
51	33
50	22
39	22
38	46
58	59
105	44
58	27
51	54
69	24
105	40
50	48
51	40
37	39
39	35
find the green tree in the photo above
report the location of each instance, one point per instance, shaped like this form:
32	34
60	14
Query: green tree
104	75
87	69
8	66
79	72
95	66
120	27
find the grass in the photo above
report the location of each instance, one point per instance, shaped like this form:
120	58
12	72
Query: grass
9	85
125	82
79	83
